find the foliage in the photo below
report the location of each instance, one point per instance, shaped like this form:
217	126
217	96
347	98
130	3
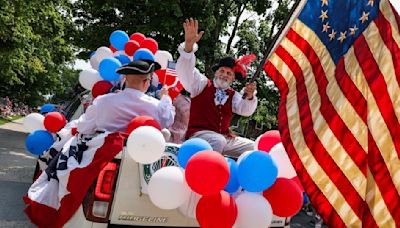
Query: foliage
8	120
34	42
257	37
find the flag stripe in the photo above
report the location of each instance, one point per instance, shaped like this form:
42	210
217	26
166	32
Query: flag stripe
346	112
389	35
305	135
378	88
377	206
396	16
335	122
350	90
389	13
315	191
382	177
378	128
329	141
384	61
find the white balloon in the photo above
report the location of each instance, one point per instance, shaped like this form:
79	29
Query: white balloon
168	188
253	211
103	52
188	208
94	62
89	77
285	167
256	142
33	122
162	57
145	144
119	53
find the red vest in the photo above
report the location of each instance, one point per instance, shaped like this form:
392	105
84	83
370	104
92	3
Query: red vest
205	115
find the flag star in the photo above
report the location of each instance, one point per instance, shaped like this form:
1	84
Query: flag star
332	34
324	2
364	17
353	30
326	27
324	15
370	3
342	36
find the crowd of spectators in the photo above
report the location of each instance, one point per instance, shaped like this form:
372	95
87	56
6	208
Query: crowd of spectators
8	108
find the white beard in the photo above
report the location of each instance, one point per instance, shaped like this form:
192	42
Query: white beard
221	84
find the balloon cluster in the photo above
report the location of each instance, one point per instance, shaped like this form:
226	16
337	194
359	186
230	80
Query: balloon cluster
122	50
219	191
42	129
225	192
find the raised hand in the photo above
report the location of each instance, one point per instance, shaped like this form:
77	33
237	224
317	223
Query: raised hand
192	35
249	89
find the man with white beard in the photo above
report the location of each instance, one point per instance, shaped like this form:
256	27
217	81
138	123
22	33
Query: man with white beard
213	102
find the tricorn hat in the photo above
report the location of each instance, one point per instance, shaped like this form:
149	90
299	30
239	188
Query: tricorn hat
239	66
140	67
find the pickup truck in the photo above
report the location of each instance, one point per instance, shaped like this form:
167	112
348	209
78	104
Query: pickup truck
117	198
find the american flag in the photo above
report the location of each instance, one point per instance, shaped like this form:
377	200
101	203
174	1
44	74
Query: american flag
337	66
170	73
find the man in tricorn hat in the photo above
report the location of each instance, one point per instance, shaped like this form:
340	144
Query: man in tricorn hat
213	102
113	111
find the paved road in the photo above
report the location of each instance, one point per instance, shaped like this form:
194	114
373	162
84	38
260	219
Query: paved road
16	169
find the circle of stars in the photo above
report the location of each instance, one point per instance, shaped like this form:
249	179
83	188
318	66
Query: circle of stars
342	35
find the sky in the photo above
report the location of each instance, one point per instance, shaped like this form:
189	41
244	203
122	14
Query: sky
81	64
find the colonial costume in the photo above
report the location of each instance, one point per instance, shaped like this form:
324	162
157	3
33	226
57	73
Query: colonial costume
211	108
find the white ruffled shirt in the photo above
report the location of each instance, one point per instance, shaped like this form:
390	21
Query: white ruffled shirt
195	82
112	112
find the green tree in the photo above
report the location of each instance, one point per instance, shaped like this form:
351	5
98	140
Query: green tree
257	37
161	20
35	45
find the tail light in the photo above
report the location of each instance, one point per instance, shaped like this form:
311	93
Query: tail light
98	200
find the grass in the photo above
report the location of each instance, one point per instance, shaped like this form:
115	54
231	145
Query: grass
10	119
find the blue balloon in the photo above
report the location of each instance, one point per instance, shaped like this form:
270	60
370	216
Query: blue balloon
39	141
306	200
189	148
107	68
123	59
233	183
257	171
143	53
47	108
118	39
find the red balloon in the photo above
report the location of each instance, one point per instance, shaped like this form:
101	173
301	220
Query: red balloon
137	36
113	49
285	197
101	88
142	121
207	172
131	47
54	121
150	44
297	181
268	140
217	210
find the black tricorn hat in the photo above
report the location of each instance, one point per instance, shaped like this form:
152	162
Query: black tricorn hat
224	62
140	67
231	63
